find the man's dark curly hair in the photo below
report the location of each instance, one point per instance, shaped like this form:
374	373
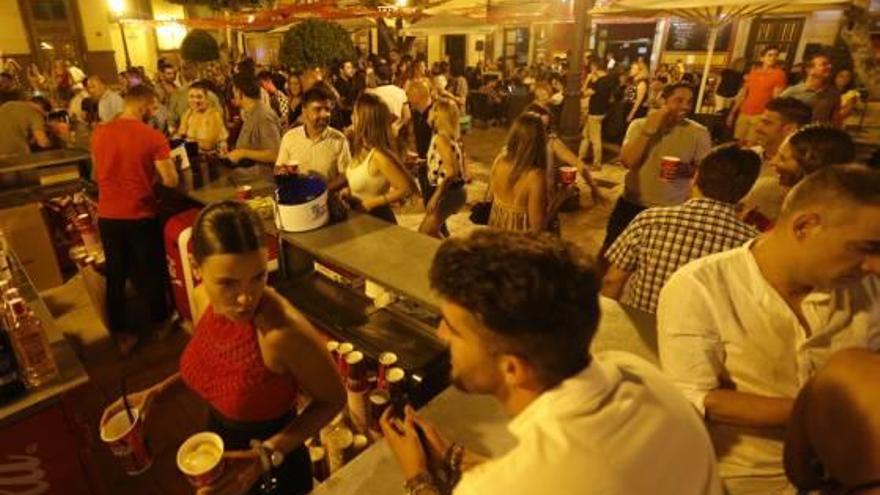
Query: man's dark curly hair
537	295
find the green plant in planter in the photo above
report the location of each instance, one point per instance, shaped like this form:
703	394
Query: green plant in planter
199	46
315	43
856	35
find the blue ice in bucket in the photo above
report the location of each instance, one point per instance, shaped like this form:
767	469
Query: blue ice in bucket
298	189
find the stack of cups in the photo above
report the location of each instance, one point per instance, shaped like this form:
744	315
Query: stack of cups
395	383
386	360
339	447
357	386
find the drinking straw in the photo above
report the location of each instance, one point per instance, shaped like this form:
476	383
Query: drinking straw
126	403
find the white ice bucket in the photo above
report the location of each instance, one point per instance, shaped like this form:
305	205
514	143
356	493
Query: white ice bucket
305	216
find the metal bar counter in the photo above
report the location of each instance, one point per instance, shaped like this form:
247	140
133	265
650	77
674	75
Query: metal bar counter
387	254
42	159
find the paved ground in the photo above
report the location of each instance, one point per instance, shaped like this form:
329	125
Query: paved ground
586	226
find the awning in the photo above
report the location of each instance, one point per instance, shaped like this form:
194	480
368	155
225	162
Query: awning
355	24
448	24
713	14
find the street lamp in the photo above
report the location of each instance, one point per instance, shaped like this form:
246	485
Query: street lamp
117	8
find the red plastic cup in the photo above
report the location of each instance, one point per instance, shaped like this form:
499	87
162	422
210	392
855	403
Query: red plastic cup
244	193
333	348
669	168
200	459
379	401
342	351
126	440
320	470
386	360
395	378
357	371
568	175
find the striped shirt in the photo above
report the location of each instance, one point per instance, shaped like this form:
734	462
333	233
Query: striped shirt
660	240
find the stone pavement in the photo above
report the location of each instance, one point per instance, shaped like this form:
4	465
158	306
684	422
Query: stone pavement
585	227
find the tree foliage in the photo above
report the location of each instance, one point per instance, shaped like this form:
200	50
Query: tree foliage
199	46
315	43
856	35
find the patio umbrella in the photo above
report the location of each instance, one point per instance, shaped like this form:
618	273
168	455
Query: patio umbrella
714	14
447	24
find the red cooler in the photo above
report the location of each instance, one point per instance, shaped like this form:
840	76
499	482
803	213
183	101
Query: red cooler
178	249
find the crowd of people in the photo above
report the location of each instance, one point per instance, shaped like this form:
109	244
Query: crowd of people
759	257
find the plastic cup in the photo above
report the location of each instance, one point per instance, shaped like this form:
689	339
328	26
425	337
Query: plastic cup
244	193
568	175
395	378
200	458
342	351
379	401
669	168
386	360
126	440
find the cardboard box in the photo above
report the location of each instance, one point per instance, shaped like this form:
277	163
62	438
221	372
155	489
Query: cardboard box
28	236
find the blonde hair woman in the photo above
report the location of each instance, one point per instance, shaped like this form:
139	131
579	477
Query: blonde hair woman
445	168
636	94
376	178
519	178
202	122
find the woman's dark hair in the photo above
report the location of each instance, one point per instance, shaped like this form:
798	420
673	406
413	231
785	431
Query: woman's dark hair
247	84
227	227
819	145
537	295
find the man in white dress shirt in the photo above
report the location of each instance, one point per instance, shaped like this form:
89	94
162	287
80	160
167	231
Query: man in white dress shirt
519	312
315	147
741	332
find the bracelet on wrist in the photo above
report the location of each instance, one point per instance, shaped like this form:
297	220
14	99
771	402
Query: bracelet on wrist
421	482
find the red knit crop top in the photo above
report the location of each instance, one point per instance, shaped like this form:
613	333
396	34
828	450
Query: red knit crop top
222	363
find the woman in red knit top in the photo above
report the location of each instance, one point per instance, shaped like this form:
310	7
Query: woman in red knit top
249	356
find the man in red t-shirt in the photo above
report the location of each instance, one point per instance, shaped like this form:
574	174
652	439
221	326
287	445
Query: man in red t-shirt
129	157
761	85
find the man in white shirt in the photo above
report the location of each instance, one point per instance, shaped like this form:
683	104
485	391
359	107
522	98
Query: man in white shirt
519	311
740	332
315	147
393	96
664	132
